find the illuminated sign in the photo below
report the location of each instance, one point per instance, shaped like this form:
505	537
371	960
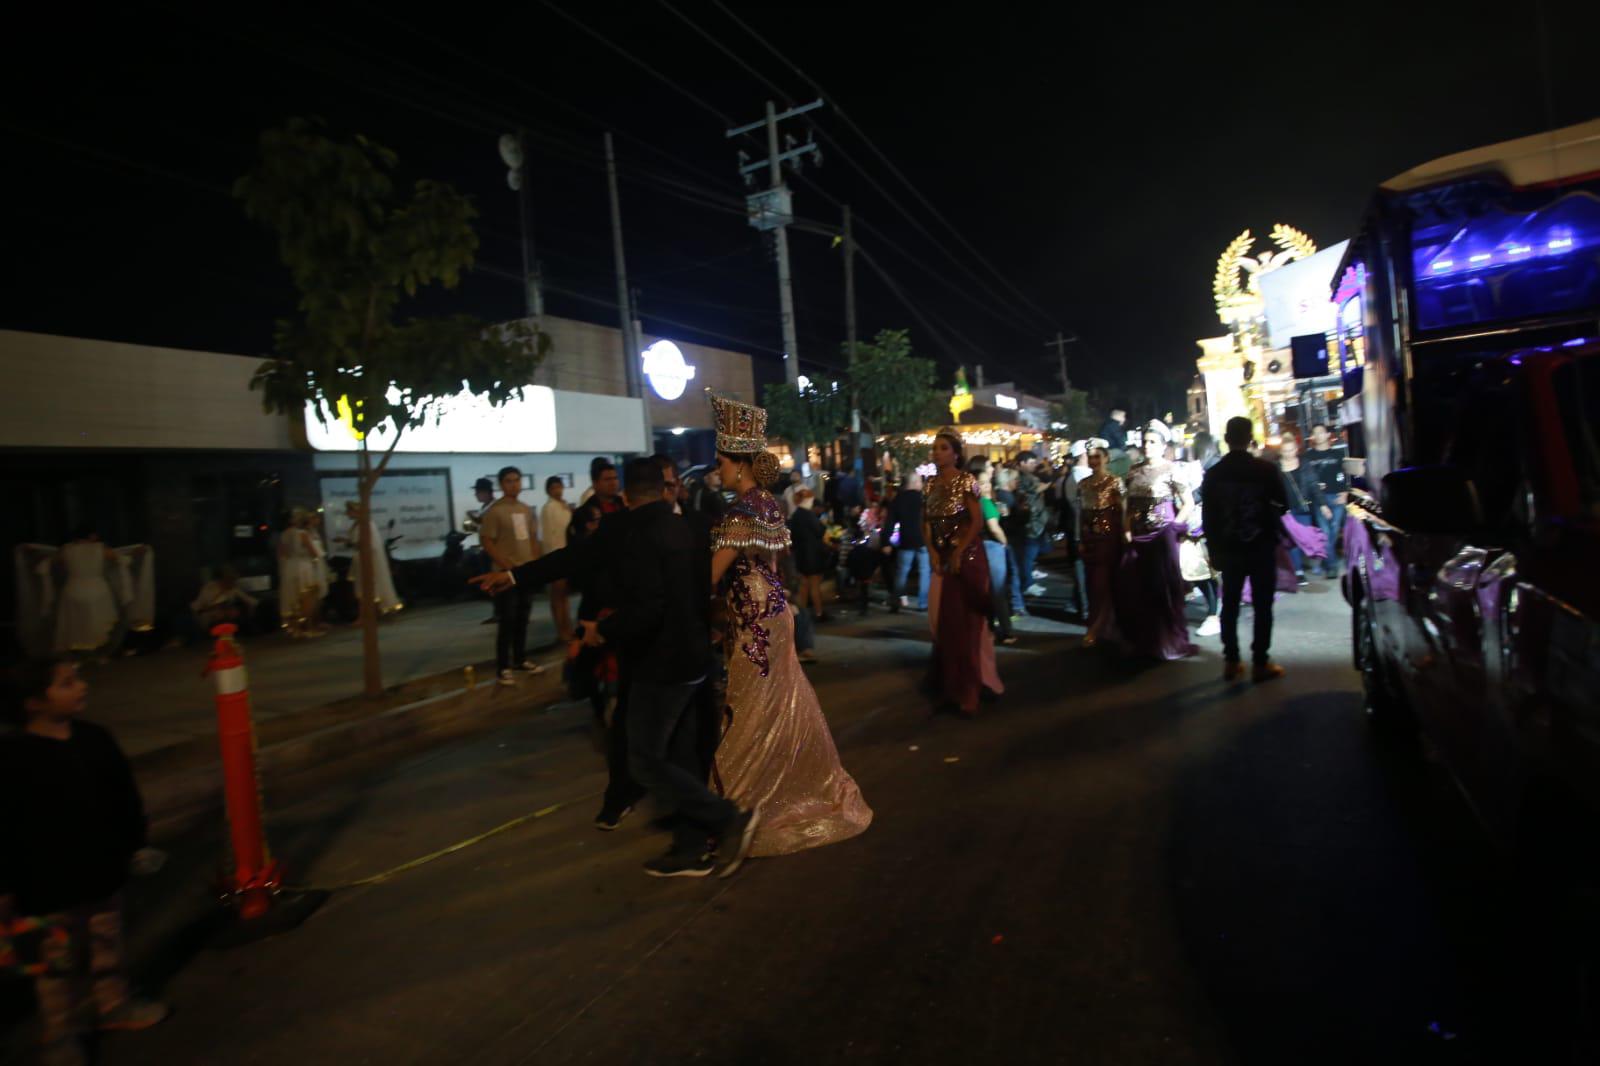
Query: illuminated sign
666	371
1008	402
461	423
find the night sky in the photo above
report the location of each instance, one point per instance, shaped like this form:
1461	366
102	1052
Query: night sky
1084	170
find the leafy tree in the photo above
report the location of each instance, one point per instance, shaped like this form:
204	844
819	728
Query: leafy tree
806	415
895	391
1077	412
356	244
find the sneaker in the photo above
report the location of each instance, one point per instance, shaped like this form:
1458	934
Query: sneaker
507	677
1300	579
740	833
134	1015
530	667
1039	575
1210	627
1266	672
1233	670
673	865
608	820
1036	590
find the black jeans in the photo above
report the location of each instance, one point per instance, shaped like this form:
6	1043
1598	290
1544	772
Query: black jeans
511	609
1262	572
662	741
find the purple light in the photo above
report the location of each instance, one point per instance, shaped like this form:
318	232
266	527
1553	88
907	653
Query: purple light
1519	249
1481	257
1516	360
1444	264
1575	342
1560	243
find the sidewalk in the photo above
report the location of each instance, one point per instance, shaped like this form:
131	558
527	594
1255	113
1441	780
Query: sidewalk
161	701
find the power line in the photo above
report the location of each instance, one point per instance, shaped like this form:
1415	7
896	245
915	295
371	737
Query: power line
885	159
603	39
848	158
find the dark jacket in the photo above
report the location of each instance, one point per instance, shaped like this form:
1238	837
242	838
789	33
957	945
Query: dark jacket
906	511
1245	503
659	625
1301	490
70	819
583	562
810	553
1328	466
1113	433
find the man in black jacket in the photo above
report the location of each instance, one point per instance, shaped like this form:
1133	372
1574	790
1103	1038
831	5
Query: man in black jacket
1245	502
660	629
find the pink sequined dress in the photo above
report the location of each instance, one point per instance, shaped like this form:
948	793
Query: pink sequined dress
777	753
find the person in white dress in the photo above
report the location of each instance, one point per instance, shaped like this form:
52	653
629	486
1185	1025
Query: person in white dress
87	615
384	594
302	577
554	518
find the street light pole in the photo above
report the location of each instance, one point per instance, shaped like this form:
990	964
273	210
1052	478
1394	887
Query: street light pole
514	153
631	356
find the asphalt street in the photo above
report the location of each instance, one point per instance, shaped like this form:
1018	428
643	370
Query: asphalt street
1117	862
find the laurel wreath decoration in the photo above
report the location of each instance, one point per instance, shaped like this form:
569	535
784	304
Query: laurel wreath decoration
1226	285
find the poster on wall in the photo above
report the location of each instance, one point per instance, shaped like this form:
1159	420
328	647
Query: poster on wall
411	504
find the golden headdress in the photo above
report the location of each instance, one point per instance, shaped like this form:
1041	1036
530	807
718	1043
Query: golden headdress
741	427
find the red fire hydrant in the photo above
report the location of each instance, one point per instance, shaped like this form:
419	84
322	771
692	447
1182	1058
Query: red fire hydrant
256	877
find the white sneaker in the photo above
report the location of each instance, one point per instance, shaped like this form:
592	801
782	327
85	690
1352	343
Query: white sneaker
1210	627
531	667
1039	575
507	677
1194	594
1035	590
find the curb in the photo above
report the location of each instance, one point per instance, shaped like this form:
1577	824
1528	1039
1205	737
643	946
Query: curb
179	801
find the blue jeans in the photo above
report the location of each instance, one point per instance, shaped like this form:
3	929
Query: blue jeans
999	563
1296	556
1330	528
805	629
1024	553
903	559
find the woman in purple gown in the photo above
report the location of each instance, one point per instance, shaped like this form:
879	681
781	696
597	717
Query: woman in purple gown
1150	585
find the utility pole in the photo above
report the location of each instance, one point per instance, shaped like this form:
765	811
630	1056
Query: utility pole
772	211
514	153
850	320
977	371
631	356
1060	345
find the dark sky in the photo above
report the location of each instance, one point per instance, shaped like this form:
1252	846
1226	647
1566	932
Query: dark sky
1098	161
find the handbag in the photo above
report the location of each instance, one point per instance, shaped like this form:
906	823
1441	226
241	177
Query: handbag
1194	561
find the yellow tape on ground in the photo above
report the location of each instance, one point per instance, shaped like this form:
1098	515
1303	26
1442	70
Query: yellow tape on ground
451	850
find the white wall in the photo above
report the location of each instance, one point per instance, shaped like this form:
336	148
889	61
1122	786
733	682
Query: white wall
70	392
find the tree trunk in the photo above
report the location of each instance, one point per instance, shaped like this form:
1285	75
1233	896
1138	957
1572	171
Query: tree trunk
366	598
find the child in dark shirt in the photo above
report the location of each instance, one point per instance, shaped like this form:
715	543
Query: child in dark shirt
72	828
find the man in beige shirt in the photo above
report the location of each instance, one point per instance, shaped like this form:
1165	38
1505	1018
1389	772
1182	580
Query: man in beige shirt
510	535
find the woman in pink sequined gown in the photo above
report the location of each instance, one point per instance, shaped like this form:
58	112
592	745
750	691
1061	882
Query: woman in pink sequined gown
776	754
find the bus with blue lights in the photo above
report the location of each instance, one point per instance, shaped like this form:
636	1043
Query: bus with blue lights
1469	321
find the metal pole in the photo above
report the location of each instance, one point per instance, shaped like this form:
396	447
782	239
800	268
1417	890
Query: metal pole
530	265
631	356
850	319
791	346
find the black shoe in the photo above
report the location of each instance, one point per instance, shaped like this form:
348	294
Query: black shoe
1300	579
674	865
733	844
607	819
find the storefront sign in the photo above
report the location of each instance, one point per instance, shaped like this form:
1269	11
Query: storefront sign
461	423
665	369
1009	403
411	504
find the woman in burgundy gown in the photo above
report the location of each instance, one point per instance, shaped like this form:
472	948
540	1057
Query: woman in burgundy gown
959	599
1101	522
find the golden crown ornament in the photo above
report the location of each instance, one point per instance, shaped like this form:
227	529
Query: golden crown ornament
741	427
